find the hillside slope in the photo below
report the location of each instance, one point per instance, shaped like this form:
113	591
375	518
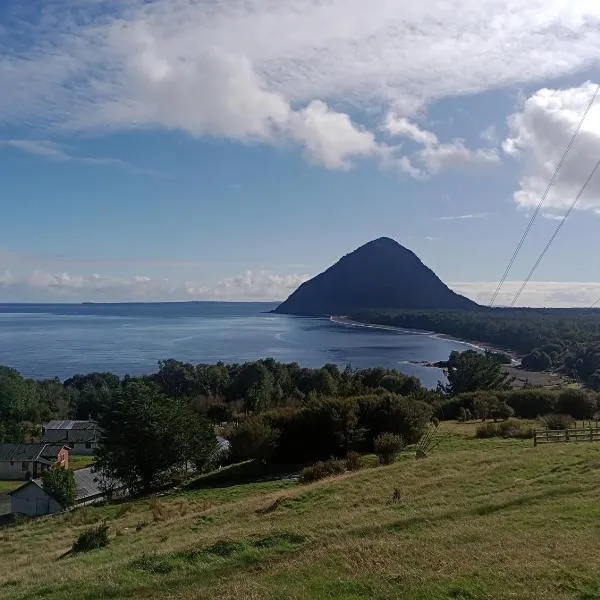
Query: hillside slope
477	519
380	274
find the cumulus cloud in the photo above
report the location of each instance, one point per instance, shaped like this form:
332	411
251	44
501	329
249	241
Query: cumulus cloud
41	285
435	156
556	294
252	70
539	134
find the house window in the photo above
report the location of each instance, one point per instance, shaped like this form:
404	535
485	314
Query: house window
24	466
88	445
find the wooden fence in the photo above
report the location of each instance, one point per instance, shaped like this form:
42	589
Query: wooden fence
582	434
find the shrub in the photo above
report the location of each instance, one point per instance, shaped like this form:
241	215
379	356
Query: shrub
510	428
487	430
387	446
252	438
322	469
60	484
556	421
91	539
353	461
501	410
577	403
388	413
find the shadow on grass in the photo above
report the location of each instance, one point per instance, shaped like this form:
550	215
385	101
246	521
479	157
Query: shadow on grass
250	471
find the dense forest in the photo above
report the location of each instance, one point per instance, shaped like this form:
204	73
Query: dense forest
566	341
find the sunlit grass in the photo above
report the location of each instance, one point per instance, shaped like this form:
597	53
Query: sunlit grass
476	519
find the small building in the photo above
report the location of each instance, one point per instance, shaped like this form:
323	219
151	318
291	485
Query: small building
81	436
27	461
32	500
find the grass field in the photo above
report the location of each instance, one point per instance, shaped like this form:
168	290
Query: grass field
80	462
477	519
9	486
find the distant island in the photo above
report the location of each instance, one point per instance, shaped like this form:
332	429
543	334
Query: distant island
381	274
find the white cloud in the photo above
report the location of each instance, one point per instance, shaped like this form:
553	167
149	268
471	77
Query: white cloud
557	294
330	138
456	156
538	136
249	70
400	126
41	285
434	156
58	152
465	217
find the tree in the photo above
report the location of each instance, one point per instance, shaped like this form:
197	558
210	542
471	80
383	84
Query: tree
146	435
252	438
536	361
59	483
471	371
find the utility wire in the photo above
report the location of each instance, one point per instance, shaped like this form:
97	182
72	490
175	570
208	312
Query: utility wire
511	262
556	231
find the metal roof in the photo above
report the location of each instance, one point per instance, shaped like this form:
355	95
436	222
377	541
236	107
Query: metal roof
70	425
28	452
87	484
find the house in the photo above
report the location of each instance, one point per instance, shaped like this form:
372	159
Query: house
32	500
81	436
26	461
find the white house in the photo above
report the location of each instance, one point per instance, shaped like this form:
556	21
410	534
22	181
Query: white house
30	499
26	461
81	436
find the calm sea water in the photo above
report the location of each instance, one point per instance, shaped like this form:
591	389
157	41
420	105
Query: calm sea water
59	340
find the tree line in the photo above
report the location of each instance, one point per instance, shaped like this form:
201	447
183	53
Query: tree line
163	427
562	340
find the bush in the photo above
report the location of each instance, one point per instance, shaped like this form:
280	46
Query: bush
510	428
252	438
387	446
556	421
487	430
91	539
577	403
322	469
353	461
59	483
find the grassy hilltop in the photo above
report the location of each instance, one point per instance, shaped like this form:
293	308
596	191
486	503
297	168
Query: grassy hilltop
477	519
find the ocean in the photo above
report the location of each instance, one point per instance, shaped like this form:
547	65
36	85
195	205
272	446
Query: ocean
59	340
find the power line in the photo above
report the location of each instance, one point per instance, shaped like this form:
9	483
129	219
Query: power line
511	262
556	231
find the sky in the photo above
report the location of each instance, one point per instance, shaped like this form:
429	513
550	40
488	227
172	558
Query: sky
230	150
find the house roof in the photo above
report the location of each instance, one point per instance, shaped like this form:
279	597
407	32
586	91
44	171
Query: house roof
76	436
87	484
82	425
29	452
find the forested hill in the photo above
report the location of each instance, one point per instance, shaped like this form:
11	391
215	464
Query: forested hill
564	340
380	274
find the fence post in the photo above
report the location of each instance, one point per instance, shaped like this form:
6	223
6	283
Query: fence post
534	438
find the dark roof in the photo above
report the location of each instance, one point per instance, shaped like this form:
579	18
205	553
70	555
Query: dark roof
28	452
87	484
71	425
75	436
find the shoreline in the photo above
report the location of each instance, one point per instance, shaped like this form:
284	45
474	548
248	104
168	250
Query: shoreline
341	320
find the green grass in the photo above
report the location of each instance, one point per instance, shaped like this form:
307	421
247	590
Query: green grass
80	462
477	519
9	486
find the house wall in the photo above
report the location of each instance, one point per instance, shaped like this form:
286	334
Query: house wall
81	450
33	501
12	470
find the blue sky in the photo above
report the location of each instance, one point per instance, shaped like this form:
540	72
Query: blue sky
229	150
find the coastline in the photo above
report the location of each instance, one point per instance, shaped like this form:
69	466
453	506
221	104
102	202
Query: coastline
341	320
